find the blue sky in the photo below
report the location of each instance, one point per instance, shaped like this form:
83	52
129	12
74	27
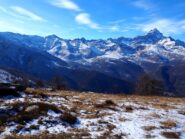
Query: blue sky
93	19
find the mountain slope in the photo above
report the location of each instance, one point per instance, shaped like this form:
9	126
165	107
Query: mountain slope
121	60
41	65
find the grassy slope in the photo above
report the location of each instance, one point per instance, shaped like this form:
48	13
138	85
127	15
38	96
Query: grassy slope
117	116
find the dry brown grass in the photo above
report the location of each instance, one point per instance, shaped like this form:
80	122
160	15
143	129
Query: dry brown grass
107	104
168	124
122	119
107	135
82	132
19	127
34	127
2	129
88	102
91	106
129	108
37	92
149	128
182	112
93	97
23	116
111	127
68	118
163	106
149	136
153	115
110	102
47	136
171	135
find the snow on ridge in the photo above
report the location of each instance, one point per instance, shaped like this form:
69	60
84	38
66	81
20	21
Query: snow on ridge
109	49
5	77
166	42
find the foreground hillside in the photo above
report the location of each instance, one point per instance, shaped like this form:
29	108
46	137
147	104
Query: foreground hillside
41	114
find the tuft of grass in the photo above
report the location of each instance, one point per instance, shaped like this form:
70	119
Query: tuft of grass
68	118
46	136
171	135
142	108
34	127
164	106
129	108
149	136
22	116
168	124
182	112
107	104
154	115
18	128
2	129
149	128
111	127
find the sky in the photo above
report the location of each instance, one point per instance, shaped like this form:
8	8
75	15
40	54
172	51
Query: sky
93	19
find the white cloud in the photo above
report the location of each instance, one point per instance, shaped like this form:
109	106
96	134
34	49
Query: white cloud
66	4
143	4
117	21
23	12
7	26
114	28
166	26
84	19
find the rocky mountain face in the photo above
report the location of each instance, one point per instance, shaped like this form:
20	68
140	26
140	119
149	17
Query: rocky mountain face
92	65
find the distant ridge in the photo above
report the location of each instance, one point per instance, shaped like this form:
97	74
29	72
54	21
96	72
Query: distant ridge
117	61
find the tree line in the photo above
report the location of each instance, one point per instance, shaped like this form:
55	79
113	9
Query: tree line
148	85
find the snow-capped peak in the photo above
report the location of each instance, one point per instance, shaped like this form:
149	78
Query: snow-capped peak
52	36
155	30
155	33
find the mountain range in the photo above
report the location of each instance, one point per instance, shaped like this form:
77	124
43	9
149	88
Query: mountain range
111	65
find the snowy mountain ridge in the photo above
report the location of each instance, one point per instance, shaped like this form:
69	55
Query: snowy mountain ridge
120	61
153	47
